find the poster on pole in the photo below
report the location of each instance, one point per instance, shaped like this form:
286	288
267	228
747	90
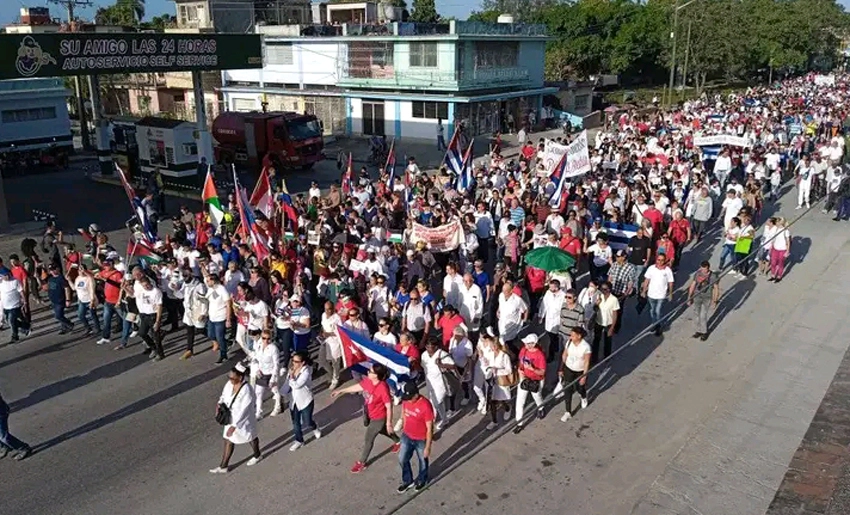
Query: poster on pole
552	154
721	139
578	157
444	238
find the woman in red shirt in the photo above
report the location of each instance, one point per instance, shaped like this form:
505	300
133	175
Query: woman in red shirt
377	411
532	370
680	233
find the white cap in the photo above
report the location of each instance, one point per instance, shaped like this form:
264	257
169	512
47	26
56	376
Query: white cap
241	368
531	338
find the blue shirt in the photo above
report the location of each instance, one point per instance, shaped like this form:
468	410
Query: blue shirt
56	289
482	279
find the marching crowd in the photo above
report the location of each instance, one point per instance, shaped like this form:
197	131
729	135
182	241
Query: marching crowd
476	322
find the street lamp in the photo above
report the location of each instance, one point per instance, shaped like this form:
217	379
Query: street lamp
676	9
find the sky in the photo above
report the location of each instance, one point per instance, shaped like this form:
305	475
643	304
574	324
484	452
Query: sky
10	9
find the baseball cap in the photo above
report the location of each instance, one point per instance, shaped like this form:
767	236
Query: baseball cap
621	253
531	338
409	391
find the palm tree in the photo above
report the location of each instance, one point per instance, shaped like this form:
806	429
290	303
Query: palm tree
135	7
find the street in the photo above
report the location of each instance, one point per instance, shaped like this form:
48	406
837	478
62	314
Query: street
676	426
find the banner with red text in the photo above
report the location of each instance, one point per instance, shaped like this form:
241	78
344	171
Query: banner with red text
439	239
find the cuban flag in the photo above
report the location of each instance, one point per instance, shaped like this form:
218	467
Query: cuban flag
359	352
249	222
454	155
619	234
137	207
559	179
465	181
408	192
288	209
389	167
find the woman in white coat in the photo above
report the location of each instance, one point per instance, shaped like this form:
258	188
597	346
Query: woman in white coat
195	310
265	369
500	371
436	362
242	428
482	375
299	385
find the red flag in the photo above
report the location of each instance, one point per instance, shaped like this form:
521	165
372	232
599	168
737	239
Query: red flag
351	353
262	199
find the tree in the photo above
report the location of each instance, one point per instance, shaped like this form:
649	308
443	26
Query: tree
521	10
424	11
122	12
160	23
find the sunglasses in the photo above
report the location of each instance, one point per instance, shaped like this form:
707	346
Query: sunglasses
382	325
266	337
297	361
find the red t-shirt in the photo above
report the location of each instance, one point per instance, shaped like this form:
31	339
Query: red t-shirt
656	218
412	354
111	292
416	415
679	231
20	273
533	359
447	324
376	396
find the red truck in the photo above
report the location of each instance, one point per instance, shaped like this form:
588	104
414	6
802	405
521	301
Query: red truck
280	139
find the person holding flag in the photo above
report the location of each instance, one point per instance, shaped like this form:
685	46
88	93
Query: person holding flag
377	411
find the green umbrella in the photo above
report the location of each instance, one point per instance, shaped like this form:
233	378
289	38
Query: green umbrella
550	259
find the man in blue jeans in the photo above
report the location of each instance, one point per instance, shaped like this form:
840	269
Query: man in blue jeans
658	288
417	435
7	441
59	293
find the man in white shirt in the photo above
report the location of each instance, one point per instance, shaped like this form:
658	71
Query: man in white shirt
722	166
511	314
149	301
657	288
12	299
471	306
550	316
731	207
220	313
451	286
805	174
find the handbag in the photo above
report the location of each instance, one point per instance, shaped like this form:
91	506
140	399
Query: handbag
264	380
508	380
530	385
223	415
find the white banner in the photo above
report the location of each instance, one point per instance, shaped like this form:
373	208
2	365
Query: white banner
552	154
721	139
824	80
439	239
578	157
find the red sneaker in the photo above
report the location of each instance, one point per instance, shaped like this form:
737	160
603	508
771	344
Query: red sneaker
395	448
358	467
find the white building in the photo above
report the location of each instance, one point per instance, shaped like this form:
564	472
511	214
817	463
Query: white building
397	79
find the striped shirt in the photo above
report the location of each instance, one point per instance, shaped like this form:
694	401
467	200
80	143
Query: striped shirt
571	317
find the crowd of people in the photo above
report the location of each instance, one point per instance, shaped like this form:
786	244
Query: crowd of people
476	323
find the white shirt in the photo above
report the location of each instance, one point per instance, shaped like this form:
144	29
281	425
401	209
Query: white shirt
461	350
732	207
11	293
83	287
510	315
451	289
779	242
722	164
147	300
257	313
606	309
300	387
232	279
387	340
659	279
471	305
266	360
601	256
576	354
550	310
217	299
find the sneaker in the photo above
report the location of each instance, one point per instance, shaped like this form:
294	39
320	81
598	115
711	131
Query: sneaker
799	207
317	433
518	429
253	461
506	415
219	361
103	341
156	359
88	333
64	330
584	403
358	467
188	354
276	411
395	448
420	486
566	416
152	354
438	426
25	332
333	384
541	413
23	454
481	408
403	488
259	417
451	414
696	335
464	402
134	334
218	470
3	452
704	337
295	446
491	426
120	346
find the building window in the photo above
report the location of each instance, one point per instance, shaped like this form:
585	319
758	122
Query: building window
29	115
190	149
423	55
187	14
431	110
244	104
496	54
581	102
280	54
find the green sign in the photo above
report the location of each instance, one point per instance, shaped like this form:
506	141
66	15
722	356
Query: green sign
58	54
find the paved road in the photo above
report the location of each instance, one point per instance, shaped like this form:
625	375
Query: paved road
677	426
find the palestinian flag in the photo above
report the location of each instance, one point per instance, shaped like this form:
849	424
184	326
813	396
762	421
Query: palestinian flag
210	198
142	251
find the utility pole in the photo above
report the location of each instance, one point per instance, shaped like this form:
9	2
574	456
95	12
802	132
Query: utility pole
687	54
673	53
69	6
